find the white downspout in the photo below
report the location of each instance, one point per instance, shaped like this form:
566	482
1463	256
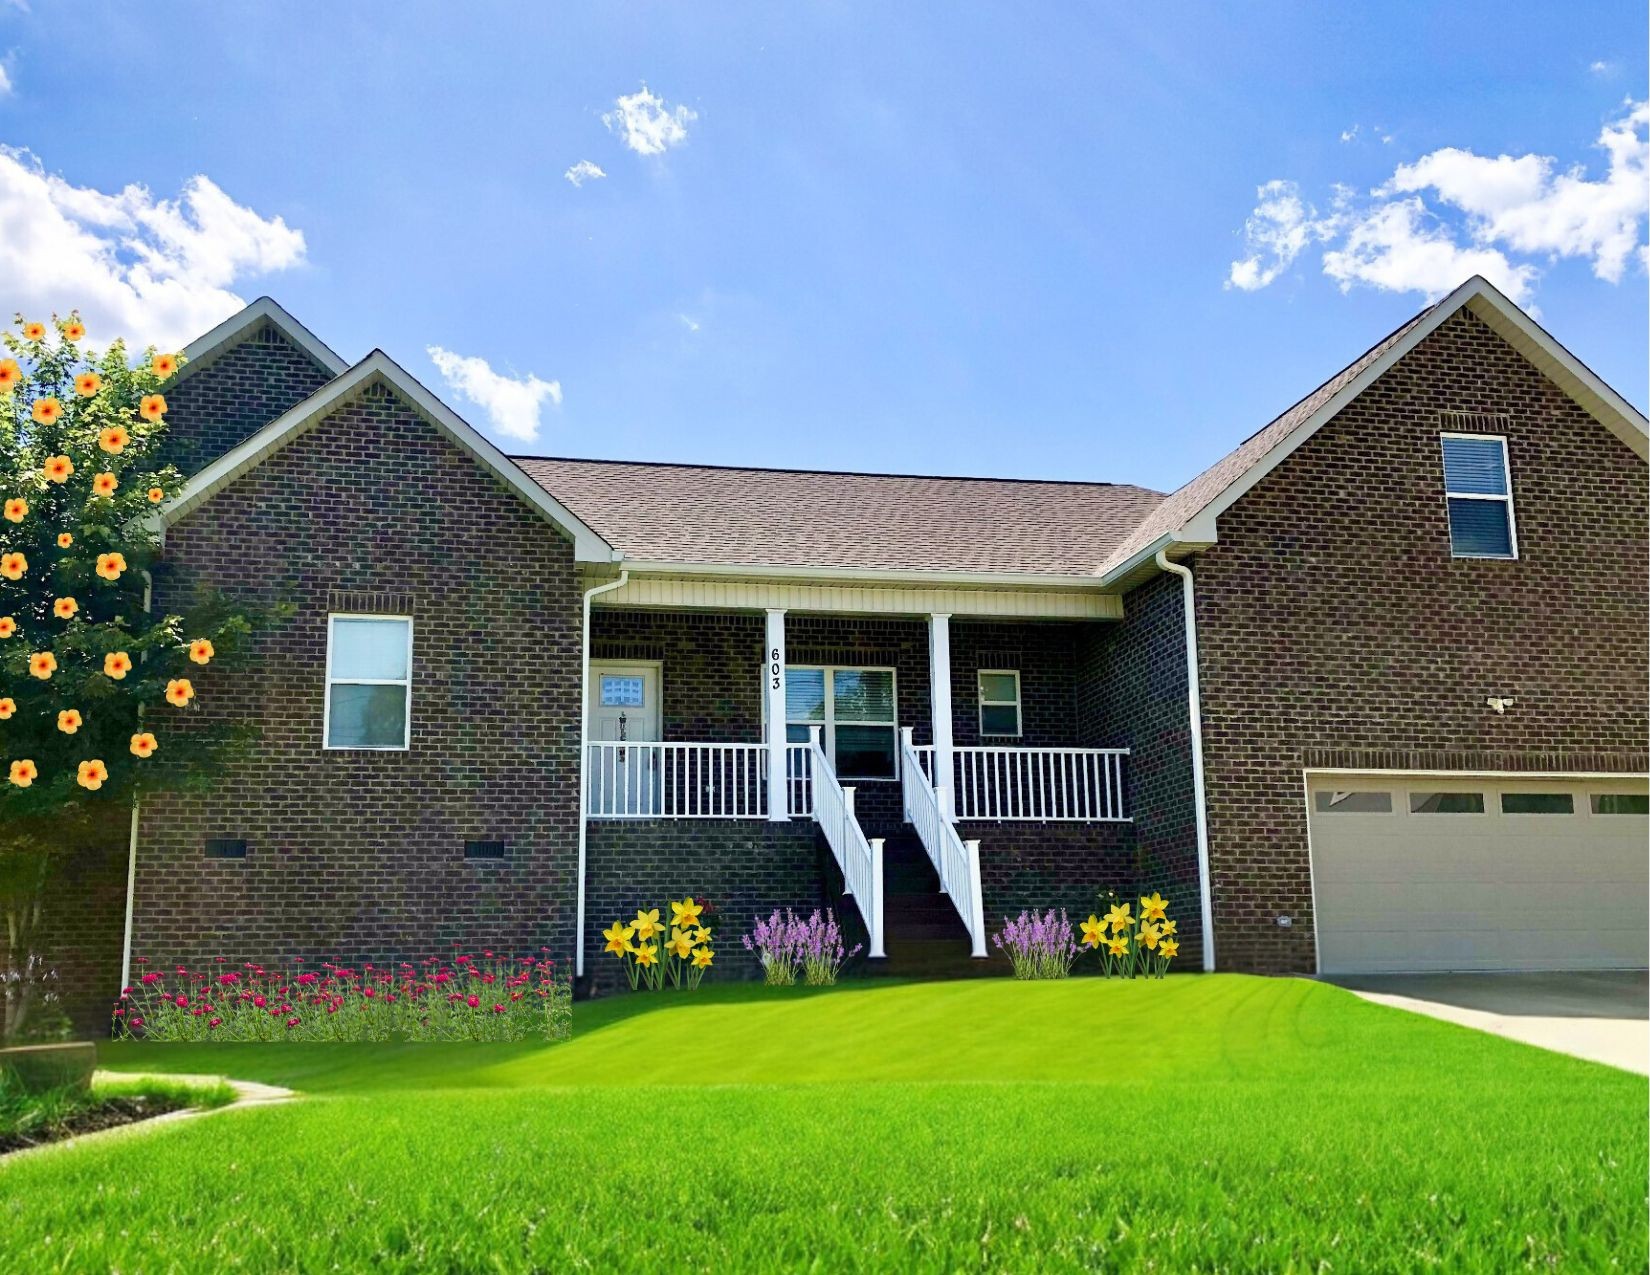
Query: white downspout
584	755
131	887
1194	710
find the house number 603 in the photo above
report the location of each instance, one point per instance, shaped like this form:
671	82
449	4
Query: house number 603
775	671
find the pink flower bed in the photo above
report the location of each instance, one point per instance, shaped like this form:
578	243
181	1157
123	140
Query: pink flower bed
493	997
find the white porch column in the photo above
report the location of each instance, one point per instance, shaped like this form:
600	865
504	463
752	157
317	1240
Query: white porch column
773	683
939	696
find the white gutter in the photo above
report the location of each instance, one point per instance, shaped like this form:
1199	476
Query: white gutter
584	756
1194	710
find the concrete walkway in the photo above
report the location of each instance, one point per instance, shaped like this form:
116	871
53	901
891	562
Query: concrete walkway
1603	1016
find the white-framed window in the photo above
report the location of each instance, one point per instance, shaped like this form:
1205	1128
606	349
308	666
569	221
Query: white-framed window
999	691
856	709
369	682
1478	491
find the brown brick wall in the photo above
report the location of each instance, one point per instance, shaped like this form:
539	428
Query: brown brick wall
1332	618
225	401
358	855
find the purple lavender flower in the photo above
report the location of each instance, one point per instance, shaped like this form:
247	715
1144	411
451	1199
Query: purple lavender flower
1038	946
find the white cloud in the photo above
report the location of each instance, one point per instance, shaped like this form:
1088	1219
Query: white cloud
147	269
5	81
1601	67
583	171
646	125
513	405
1350	134
1454	213
688	322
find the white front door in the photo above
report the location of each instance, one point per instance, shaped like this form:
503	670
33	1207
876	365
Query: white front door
624	719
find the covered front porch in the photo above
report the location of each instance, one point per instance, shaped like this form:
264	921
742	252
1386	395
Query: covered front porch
975	741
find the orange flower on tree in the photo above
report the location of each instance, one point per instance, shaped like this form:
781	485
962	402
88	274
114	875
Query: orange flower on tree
43	664
64	540
110	565
117	664
114	439
104	484
10	375
58	469
8	626
13	565
163	365
156	495
69	721
152	407
17	509
8	706
33	331
91	775
23	772
201	651
65	608
87	384
47	411
179	691
143	744
74	330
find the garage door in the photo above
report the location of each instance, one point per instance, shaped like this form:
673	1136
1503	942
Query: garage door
1476	873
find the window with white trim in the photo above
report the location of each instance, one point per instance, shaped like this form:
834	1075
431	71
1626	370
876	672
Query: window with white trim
854	707
999	692
1478	491
369	682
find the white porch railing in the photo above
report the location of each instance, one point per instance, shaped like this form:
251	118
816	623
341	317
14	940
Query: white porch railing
859	859
653	780
1069	785
956	861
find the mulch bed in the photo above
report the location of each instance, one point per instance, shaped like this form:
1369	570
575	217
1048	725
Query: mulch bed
108	1114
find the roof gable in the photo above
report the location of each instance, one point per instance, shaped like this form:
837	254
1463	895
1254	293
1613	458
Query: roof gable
378	368
1189	515
237	327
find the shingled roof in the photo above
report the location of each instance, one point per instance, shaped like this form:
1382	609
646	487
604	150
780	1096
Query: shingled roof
705	514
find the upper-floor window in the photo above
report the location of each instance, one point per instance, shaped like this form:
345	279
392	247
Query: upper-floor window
1478	489
999	701
369	681
855	709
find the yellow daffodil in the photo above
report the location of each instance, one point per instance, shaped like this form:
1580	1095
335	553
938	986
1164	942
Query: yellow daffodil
1092	930
17	509
1148	936
618	938
1118	945
47	411
117	664
701	935
703	957
43	664
1169	947
65	608
1152	908
685	913
69	721
647	954
1121	916
23	772
680	945
646	924
1168	928
179	691
91	775
201	651
143	744
58	469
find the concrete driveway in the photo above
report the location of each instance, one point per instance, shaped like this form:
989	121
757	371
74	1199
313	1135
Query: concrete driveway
1603	1016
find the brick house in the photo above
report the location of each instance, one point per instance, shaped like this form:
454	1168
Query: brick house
1368	693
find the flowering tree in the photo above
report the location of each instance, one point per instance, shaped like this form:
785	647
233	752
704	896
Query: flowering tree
94	686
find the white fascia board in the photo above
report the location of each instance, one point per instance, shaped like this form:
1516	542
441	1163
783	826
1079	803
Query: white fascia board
588	546
764	571
1508	321
236	326
1144	561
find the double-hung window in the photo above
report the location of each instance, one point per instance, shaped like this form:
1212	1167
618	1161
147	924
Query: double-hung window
854	707
999	701
369	681
1478	490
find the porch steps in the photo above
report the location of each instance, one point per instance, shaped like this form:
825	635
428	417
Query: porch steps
923	935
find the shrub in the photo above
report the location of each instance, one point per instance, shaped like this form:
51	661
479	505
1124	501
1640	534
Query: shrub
495	998
1126	952
650	959
1038	946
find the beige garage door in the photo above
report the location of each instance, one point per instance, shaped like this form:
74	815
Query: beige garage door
1477	873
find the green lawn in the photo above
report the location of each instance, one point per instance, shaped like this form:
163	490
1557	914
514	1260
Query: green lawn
1202	1123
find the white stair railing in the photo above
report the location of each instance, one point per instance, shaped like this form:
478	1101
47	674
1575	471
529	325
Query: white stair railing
956	861
1056	785
860	859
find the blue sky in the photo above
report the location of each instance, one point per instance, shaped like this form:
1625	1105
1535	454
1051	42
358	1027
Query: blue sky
996	239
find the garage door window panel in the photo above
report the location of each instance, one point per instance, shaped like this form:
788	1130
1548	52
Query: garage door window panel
1446	803
1621	803
1537	803
1356	802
